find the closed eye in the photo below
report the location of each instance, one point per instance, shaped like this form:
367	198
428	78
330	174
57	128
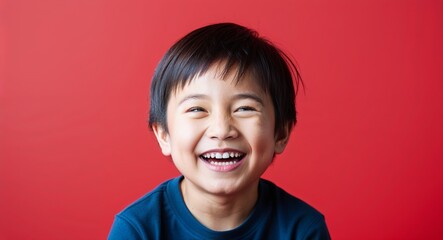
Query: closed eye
245	108
196	109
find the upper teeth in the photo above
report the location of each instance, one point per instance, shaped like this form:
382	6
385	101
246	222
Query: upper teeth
221	155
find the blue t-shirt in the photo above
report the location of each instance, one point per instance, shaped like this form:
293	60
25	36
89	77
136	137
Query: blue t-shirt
162	214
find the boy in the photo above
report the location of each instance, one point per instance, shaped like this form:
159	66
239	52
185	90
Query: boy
222	105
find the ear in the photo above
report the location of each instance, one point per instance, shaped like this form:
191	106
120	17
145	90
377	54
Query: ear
162	138
281	140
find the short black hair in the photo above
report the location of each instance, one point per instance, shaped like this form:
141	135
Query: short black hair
240	49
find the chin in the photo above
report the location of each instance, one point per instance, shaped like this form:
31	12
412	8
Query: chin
223	187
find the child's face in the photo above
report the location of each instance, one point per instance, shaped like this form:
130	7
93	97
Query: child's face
221	134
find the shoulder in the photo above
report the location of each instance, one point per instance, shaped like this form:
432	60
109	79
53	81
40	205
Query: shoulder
142	214
283	199
147	204
294	213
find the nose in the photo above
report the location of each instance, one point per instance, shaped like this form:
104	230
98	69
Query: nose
221	127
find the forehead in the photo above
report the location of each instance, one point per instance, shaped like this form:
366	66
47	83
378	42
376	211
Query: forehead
232	75
216	78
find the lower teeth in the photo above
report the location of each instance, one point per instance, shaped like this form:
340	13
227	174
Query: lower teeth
222	163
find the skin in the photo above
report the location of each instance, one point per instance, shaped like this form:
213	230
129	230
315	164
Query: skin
211	114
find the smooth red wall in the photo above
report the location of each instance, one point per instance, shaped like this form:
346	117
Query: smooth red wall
74	78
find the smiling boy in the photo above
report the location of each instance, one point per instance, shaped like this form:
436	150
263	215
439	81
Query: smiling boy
222	106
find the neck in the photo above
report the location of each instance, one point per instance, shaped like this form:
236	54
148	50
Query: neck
219	212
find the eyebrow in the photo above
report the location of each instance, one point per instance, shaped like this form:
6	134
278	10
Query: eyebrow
193	96
251	96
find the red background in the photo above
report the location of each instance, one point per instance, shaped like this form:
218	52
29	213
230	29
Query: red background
75	147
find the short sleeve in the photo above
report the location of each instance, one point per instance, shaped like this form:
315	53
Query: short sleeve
122	229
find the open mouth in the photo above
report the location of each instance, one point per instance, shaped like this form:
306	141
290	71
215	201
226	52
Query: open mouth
222	158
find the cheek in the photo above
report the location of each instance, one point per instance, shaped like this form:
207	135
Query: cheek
184	135
261	135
